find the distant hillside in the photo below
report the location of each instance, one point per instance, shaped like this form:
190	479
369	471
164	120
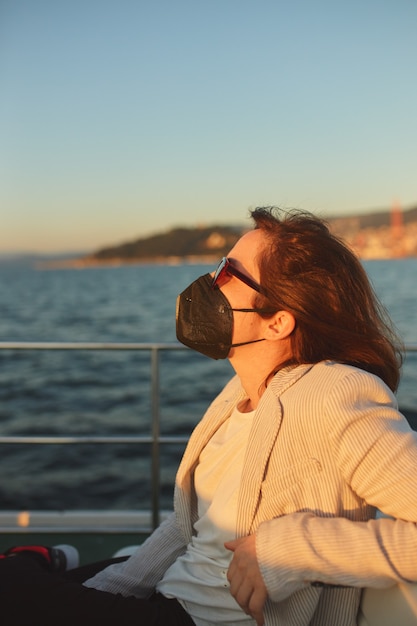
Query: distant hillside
369	234
176	243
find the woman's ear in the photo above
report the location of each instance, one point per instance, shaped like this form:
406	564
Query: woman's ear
280	326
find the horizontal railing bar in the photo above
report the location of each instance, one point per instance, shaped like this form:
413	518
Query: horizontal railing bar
36	439
93	529
92	521
87	345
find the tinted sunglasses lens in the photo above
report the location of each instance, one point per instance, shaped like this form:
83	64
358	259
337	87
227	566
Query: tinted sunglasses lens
220	272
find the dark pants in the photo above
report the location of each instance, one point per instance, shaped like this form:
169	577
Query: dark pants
30	595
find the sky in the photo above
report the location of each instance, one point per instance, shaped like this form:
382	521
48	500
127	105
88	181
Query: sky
120	119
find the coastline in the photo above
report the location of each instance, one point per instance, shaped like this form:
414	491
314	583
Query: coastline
94	263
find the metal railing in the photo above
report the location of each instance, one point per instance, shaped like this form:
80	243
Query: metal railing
154	440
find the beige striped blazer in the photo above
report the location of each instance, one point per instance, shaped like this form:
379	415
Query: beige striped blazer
327	447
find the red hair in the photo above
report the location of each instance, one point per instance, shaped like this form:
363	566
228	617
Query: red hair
311	273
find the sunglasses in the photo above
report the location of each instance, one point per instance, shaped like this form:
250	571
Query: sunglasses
225	270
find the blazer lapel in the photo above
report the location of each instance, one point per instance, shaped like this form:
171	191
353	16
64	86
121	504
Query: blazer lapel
262	438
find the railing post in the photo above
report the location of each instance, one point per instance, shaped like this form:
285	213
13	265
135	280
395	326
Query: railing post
155	471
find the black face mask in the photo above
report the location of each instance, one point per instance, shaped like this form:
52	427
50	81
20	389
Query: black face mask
204	319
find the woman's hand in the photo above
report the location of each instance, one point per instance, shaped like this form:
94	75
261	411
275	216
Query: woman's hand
245	578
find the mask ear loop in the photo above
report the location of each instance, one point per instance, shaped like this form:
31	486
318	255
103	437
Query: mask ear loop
245	343
261	310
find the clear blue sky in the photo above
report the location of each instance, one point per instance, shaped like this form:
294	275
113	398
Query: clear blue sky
120	118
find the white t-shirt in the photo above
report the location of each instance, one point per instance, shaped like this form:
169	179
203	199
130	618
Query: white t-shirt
198	579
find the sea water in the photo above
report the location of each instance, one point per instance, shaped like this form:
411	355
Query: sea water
108	393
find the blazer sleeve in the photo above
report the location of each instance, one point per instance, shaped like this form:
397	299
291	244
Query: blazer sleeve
376	452
373	444
141	572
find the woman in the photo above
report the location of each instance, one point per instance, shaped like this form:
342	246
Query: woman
277	490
